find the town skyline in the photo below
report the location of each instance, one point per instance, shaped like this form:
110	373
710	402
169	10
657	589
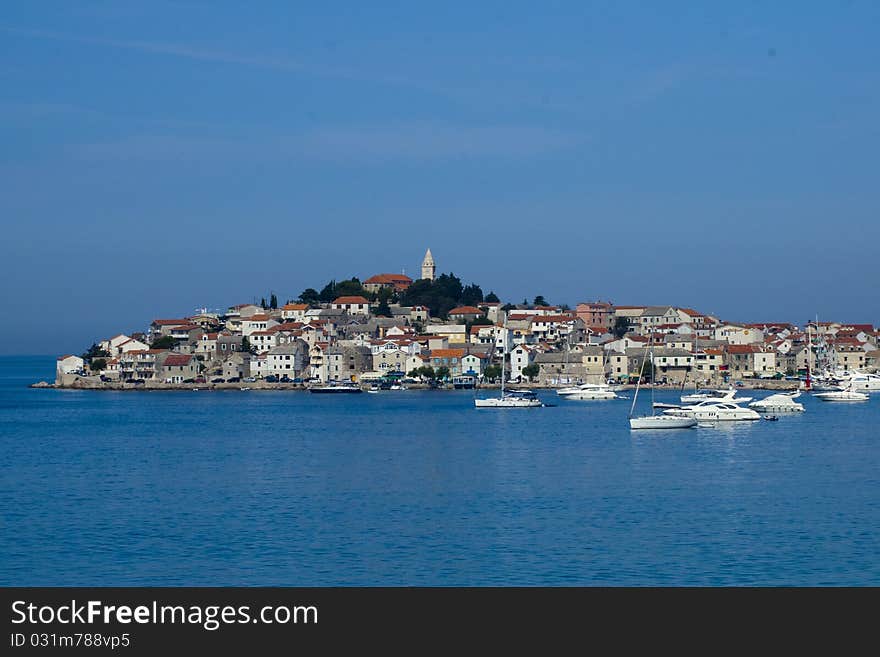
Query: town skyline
111	323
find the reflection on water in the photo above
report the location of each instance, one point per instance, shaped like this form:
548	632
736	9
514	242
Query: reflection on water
418	487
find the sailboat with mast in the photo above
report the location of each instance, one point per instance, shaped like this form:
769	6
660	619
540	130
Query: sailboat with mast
509	398
654	421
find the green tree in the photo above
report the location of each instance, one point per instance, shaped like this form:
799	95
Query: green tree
440	295
95	352
492	372
273	301
162	342
471	295
310	296
382	310
246	346
492	298
263	303
442	373
531	371
328	292
479	321
646	367
98	364
621	327
540	301
425	371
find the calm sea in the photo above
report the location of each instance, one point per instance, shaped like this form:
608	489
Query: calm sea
420	488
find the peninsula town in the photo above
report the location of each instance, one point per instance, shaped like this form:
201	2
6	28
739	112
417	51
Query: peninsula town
436	331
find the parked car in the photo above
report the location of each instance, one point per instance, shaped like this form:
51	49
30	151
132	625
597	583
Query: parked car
284	379
105	379
234	379
271	379
297	380
218	380
189	380
248	379
137	381
200	379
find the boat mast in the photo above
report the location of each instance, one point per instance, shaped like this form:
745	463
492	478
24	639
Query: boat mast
809	357
503	350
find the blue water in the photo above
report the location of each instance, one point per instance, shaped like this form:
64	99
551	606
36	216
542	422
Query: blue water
420	488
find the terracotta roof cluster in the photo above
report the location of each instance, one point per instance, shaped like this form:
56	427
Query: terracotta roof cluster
295	306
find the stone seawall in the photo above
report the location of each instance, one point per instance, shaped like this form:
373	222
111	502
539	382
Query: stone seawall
94	383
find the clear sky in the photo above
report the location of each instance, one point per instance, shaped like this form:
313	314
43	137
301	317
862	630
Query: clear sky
161	156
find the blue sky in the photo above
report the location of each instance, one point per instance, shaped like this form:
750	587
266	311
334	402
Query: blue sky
161	156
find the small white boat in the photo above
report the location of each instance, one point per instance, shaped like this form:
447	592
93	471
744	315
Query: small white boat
665	405
661	422
778	403
846	395
714	412
654	421
245	388
728	395
588	391
511	399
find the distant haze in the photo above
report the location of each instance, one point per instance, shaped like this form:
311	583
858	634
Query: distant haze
163	156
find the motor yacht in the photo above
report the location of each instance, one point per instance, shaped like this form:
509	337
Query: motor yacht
714	411
588	391
779	403
842	395
728	395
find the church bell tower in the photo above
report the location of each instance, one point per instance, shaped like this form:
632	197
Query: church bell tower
428	267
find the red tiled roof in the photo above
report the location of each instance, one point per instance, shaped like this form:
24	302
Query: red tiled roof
743	349
177	359
386	279
351	300
257	318
170	322
295	306
465	310
553	318
447	353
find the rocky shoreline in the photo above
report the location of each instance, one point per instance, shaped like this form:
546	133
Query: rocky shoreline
87	384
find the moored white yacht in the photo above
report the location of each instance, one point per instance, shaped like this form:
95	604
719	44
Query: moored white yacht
728	395
863	381
337	388
511	399
655	421
713	411
782	402
842	395
661	422
588	391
